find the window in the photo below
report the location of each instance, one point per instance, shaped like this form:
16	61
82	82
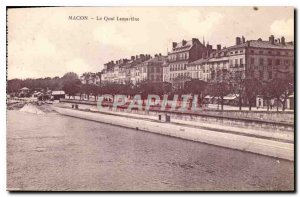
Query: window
252	61
261	61
278	62
261	52
269	61
270	75
261	74
286	62
278	52
241	61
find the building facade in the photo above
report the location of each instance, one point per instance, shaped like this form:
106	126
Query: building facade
152	69
262	60
181	55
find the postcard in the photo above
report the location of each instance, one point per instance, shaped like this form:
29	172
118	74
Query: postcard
150	99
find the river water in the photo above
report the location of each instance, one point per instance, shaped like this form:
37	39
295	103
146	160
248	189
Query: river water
55	152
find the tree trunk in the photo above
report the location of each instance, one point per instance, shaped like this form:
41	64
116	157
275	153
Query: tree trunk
222	103
249	104
240	102
283	104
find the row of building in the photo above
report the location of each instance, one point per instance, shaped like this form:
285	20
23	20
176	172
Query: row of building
262	59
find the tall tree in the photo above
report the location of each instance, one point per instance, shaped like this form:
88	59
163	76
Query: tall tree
281	89
219	90
70	76
252	87
72	87
236	80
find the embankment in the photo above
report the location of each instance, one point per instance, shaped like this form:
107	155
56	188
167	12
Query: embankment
278	149
278	121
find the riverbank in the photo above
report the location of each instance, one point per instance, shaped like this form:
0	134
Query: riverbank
274	146
71	154
271	121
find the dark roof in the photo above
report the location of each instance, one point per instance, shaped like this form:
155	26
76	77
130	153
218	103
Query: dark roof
199	61
263	44
157	59
180	47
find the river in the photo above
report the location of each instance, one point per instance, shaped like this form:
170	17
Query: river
55	152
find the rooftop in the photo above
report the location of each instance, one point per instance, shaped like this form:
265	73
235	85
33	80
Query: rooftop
264	44
199	61
184	45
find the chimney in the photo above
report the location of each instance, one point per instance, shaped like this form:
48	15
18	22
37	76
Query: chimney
136	57
282	40
278	40
243	39
132	57
218	47
155	55
271	39
174	44
237	40
183	42
159	54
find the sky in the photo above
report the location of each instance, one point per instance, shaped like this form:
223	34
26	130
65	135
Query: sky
43	42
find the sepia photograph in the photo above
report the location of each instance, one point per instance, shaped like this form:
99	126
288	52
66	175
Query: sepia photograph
158	98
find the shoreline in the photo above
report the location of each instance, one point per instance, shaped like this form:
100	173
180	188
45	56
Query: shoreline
252	144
